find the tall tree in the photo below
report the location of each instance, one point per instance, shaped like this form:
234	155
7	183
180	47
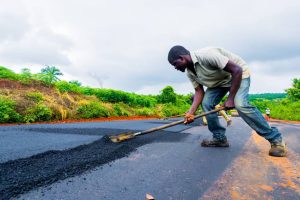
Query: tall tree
50	74
26	73
167	95
75	82
294	92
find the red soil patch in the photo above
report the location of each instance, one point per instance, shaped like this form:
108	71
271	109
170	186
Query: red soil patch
4	83
10	84
16	85
284	121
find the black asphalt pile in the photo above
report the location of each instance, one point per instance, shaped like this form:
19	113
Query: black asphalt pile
22	175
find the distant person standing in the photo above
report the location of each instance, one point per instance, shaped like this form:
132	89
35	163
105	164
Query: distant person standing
268	112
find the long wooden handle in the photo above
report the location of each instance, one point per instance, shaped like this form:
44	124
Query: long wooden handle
178	122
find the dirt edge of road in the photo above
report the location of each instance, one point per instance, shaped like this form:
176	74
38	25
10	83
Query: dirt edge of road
104	119
284	121
101	119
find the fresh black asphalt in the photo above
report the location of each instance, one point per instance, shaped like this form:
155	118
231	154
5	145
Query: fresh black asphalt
168	164
24	174
27	140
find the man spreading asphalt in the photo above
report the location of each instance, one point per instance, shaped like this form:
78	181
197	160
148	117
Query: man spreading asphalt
221	71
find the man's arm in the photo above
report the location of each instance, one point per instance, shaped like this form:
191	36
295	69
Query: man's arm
236	74
198	97
199	94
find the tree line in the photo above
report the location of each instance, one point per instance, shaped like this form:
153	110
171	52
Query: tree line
167	102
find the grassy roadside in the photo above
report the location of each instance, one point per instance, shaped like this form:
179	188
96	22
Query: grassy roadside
29	98
29	103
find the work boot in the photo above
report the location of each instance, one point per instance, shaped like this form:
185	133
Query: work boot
278	149
215	143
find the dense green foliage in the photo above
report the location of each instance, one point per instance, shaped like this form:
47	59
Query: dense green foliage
64	86
285	109
109	102
284	106
267	96
294	92
116	96
121	109
108	95
8	74
92	110
26	76
167	95
35	96
8	112
37	113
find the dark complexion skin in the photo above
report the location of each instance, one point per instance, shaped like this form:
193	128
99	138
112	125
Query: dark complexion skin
236	78
185	61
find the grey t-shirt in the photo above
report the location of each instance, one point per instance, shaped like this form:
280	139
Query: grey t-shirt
209	63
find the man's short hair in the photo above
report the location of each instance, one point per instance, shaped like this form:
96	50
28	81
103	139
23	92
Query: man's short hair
175	53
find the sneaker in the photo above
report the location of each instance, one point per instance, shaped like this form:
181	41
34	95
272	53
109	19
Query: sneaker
215	143
278	149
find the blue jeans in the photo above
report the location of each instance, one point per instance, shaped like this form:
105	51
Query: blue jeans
249	113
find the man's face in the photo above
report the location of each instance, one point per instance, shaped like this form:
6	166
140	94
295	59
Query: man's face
180	64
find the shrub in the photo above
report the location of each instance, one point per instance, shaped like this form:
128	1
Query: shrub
64	86
59	112
35	96
170	110
122	109
92	110
7	73
116	96
75	82
294	92
145	112
7	111
25	76
167	95
39	112
261	104
144	101
280	110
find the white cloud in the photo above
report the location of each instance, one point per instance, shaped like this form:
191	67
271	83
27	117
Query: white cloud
274	75
277	68
124	44
22	43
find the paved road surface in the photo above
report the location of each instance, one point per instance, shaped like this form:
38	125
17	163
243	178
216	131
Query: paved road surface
167	164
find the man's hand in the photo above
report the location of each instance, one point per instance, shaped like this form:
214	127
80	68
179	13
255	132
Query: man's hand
229	104
189	118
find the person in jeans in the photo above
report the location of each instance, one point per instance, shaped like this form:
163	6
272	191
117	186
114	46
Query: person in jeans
268	112
222	71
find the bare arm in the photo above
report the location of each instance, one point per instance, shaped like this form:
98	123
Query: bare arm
198	97
236	72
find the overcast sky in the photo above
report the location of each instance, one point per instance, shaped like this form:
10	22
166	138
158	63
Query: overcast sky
124	44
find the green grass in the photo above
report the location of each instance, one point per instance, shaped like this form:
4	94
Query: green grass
99	102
